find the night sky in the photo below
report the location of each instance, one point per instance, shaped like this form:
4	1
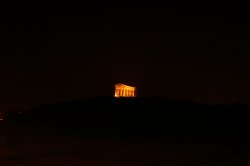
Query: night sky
52	53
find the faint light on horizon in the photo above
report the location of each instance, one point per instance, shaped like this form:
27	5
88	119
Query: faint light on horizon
122	90
2	116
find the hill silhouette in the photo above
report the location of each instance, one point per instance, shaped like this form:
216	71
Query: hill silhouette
155	117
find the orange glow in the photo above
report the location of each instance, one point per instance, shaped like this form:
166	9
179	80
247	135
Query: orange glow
122	90
2	116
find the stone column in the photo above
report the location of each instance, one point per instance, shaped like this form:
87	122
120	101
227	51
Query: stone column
116	92
130	93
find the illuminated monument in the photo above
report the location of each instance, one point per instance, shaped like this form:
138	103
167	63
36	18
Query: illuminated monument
122	90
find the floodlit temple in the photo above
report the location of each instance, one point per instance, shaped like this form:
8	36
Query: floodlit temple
122	90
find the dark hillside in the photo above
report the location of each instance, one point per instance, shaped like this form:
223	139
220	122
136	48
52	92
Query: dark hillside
150	117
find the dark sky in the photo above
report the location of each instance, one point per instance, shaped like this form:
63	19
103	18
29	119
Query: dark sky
59	53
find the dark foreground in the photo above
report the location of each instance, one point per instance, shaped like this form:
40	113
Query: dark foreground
141	132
